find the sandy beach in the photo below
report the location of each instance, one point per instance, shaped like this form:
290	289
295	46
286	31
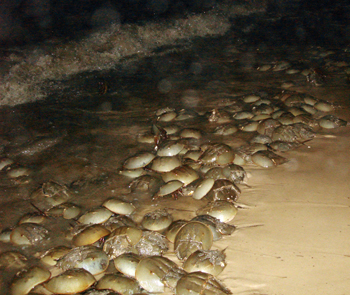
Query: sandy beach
293	224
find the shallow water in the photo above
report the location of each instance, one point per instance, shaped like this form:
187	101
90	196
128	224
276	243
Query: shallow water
292	236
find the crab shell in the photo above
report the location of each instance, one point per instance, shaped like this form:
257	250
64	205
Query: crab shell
191	237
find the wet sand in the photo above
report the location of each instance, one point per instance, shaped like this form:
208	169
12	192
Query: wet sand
292	235
302	244
303	207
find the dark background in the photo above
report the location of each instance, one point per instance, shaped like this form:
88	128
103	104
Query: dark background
29	21
26	21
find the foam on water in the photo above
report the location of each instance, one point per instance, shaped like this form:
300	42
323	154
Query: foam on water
28	69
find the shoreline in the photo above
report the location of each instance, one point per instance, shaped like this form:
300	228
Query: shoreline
99	51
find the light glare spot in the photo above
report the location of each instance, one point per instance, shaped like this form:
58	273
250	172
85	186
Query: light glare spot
190	98
164	86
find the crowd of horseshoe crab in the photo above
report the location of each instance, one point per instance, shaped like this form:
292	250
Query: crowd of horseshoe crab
110	253
107	250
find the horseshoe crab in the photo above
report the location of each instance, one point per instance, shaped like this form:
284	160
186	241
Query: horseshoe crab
70	282
51	256
210	261
224	189
200	283
95	216
90	235
117	221
171	188
217	227
28	279
132	173
283	146
119	207
4	162
12	260
306	119
235	173
266	127
36	218
245	151
191	237
165	164
200	189
49	195
126	263
190	133
295	132
138	161
146	183
330	122
218	116
243	115
155	272
261	138
222	210
185	114
185	174
248	126
152	244
170	148
267	159
226	129
193	154
122	240
173	229
157	220
90	258
118	283
216	154
5	235
323	106
286	118
28	234
66	210
166	117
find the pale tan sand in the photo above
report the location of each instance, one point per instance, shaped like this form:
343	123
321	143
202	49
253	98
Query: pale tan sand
303	206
